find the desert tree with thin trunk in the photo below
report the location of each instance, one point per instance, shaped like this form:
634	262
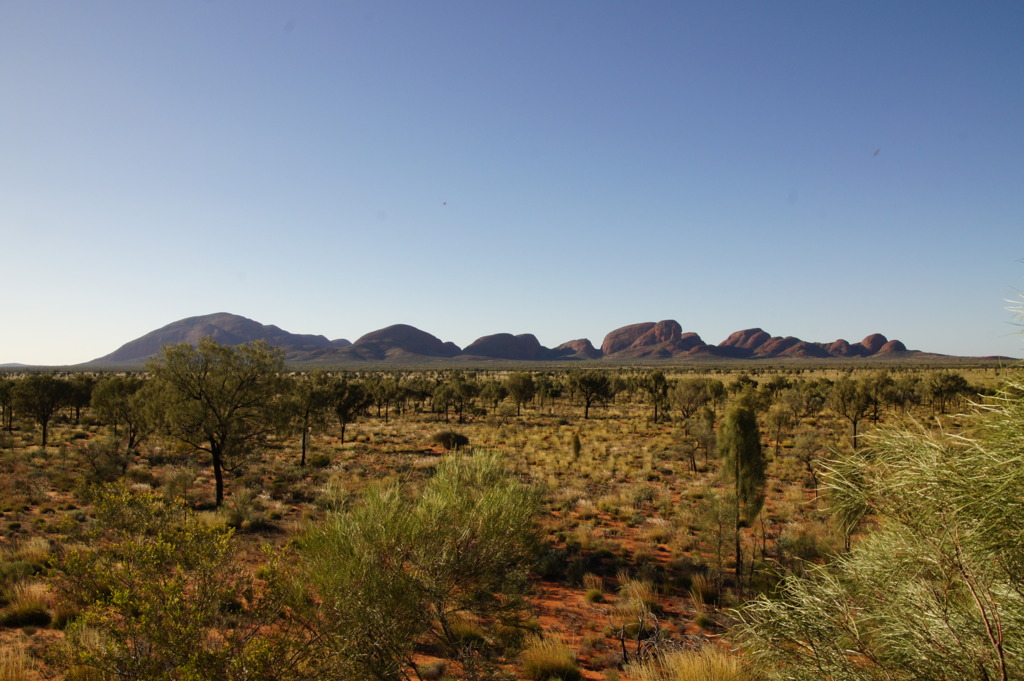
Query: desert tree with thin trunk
592	386
492	392
850	399
80	387
41	396
688	395
309	402
122	402
219	399
350	400
521	388
7	394
744	466
778	420
654	386
945	387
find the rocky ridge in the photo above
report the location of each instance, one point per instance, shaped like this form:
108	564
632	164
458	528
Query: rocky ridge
664	340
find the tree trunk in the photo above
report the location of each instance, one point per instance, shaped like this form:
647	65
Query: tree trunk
218	475
739	548
305	432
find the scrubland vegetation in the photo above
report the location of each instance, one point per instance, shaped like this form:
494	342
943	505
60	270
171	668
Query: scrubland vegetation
221	517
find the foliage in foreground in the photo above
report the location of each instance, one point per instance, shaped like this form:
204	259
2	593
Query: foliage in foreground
161	599
446	569
937	591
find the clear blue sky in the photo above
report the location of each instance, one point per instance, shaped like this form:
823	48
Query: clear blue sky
819	169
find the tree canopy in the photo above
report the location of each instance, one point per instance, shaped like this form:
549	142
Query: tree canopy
219	399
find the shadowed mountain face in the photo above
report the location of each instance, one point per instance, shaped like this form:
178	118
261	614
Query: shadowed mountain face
403	343
225	328
398	341
506	346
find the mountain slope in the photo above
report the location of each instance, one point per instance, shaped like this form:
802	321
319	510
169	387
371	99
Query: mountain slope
223	327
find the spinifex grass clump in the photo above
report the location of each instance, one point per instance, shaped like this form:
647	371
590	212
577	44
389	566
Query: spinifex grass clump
707	664
28	606
544	659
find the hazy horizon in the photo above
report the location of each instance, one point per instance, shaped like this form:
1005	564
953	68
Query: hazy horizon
563	169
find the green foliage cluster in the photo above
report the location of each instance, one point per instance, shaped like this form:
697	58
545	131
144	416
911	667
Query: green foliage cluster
395	571
936	591
159	597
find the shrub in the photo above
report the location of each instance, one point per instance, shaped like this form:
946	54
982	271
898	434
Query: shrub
545	659
392	570
449	440
320	460
154	588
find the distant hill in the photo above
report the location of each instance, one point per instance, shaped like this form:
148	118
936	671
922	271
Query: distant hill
404	344
225	328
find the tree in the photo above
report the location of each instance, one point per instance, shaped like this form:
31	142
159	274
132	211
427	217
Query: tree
310	399
944	387
521	388
689	394
41	396
936	590
444	397
350	401
879	389
383	391
592	386
7	394
464	391
395	572
779	419
220	399
492	392
119	401
744	464
80	387
850	400
655	387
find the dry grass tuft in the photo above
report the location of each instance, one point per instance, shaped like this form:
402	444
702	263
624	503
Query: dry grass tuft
709	664
546	658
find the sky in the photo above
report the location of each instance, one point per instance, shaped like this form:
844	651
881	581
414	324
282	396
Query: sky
558	167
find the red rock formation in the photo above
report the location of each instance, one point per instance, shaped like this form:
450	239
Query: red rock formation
506	346
655	341
891	347
581	348
623	337
748	339
873	343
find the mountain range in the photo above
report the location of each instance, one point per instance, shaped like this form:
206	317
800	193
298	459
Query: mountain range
404	344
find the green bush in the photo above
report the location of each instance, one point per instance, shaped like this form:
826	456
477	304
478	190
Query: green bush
394	571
